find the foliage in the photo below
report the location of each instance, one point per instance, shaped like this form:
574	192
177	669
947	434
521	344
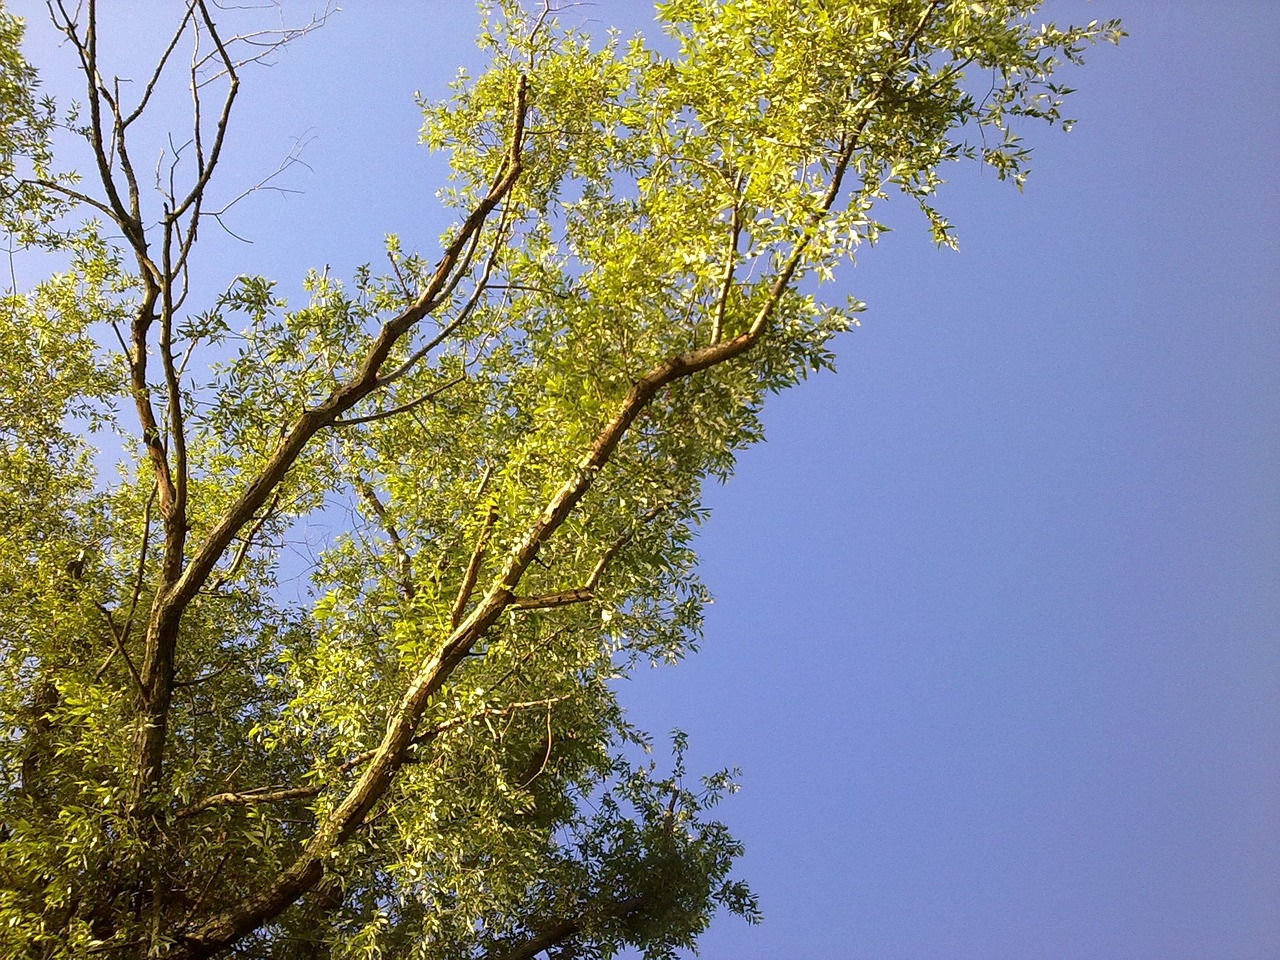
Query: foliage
427	759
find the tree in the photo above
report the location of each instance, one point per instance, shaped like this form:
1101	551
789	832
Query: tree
507	437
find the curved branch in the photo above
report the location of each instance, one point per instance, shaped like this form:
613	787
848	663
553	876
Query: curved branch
278	794
558	933
402	408
160	65
362	383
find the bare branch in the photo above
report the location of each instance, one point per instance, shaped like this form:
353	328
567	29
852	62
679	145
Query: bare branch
224	118
160	65
204	677
86	50
269	42
294	157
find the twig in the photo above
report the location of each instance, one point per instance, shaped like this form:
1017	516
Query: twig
404	561
402	408
730	264
473	567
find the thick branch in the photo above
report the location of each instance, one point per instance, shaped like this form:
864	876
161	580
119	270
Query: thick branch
364	381
347	817
562	599
171	603
372	785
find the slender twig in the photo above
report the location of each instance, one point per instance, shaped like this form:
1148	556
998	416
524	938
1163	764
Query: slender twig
472	301
204	677
246	542
208	884
118	640
75	195
142	560
652	513
404	562
279	38
587	591
224	118
402	408
730	263
160	65
473	567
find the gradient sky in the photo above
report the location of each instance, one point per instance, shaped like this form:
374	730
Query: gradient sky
995	640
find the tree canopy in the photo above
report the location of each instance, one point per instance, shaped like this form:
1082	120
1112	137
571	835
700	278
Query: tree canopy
507	437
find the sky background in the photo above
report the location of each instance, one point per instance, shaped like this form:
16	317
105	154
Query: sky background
995	639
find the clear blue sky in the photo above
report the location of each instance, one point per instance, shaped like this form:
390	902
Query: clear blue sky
995	640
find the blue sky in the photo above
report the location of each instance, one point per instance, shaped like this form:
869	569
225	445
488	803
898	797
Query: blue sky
995	640
996	632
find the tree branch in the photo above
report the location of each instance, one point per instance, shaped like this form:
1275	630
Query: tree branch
140	571
117	640
347	817
160	65
562	599
404	562
730	263
364	381
558	933
473	567
278	794
224	118
246	542
402	408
